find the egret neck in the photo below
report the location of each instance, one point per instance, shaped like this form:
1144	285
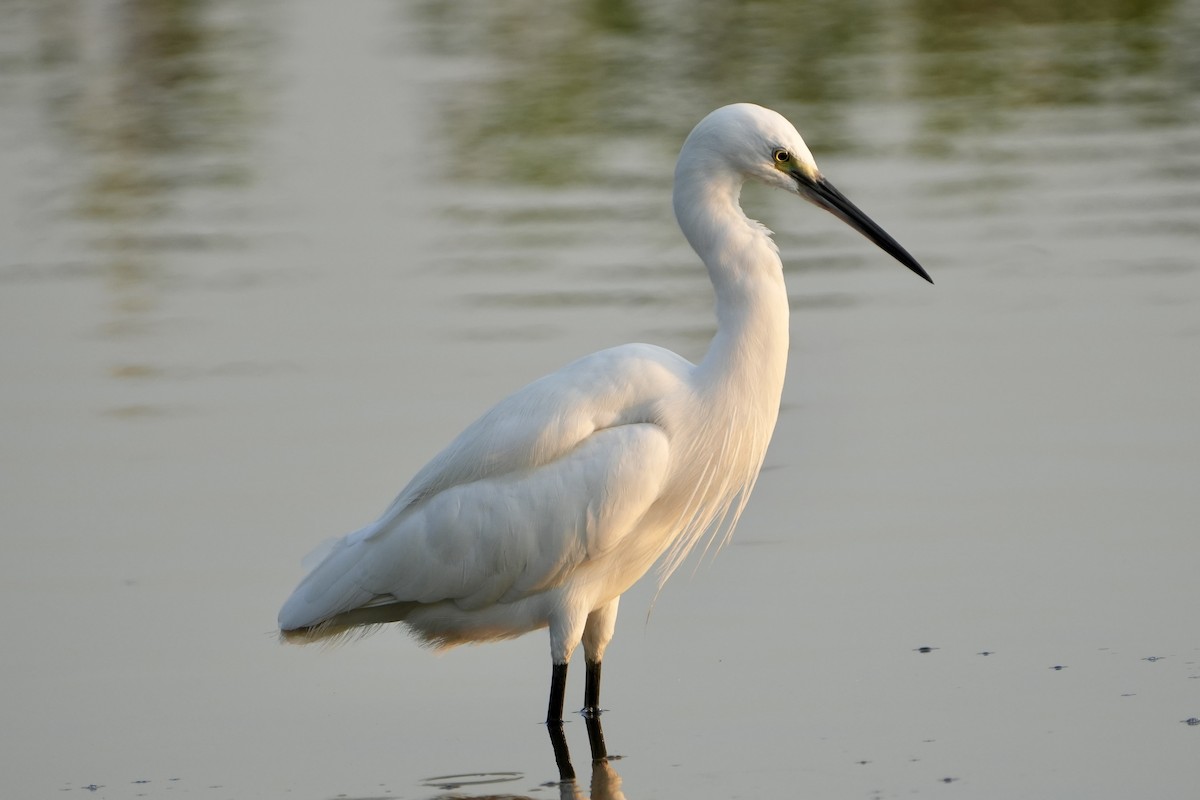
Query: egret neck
750	348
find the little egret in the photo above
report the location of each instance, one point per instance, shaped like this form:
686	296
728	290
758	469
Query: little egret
554	502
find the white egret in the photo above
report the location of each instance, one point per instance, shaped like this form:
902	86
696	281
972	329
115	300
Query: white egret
554	502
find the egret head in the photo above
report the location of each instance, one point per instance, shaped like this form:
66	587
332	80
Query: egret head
754	142
759	144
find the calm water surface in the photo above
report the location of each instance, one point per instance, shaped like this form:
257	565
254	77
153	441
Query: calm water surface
260	261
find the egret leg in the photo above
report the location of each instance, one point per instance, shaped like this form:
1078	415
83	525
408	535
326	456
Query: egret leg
558	690
591	690
596	740
562	754
597	633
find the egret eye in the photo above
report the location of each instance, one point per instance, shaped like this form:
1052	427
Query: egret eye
782	156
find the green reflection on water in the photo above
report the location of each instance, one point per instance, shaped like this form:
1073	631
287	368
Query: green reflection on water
978	63
561	80
151	104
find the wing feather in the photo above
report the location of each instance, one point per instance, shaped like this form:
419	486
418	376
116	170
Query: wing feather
551	416
555	475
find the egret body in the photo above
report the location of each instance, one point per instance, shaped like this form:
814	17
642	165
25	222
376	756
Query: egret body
561	496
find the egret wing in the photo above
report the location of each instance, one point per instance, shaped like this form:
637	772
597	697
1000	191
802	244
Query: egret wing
551	416
505	537
548	478
496	539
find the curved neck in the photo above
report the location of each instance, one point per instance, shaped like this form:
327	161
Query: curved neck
751	344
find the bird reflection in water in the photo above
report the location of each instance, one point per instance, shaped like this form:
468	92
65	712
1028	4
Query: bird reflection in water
605	784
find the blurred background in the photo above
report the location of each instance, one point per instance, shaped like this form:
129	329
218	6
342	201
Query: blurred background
260	261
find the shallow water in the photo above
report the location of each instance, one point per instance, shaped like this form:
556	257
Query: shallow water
260	263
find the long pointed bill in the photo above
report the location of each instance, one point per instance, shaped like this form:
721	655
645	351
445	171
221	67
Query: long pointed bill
821	192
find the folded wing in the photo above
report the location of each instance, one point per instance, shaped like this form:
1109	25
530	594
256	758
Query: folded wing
554	476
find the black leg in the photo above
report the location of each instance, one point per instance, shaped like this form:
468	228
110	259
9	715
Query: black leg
558	689
591	690
562	755
596	739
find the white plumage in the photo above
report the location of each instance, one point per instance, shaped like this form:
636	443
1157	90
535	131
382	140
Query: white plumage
554	502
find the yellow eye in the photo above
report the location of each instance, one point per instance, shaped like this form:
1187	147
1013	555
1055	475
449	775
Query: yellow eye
782	156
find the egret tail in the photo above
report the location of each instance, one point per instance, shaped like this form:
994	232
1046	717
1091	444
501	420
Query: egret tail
349	624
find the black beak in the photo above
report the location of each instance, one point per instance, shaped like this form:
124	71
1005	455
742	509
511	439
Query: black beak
821	192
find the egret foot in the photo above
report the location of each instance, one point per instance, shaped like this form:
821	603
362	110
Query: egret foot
591	690
558	690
